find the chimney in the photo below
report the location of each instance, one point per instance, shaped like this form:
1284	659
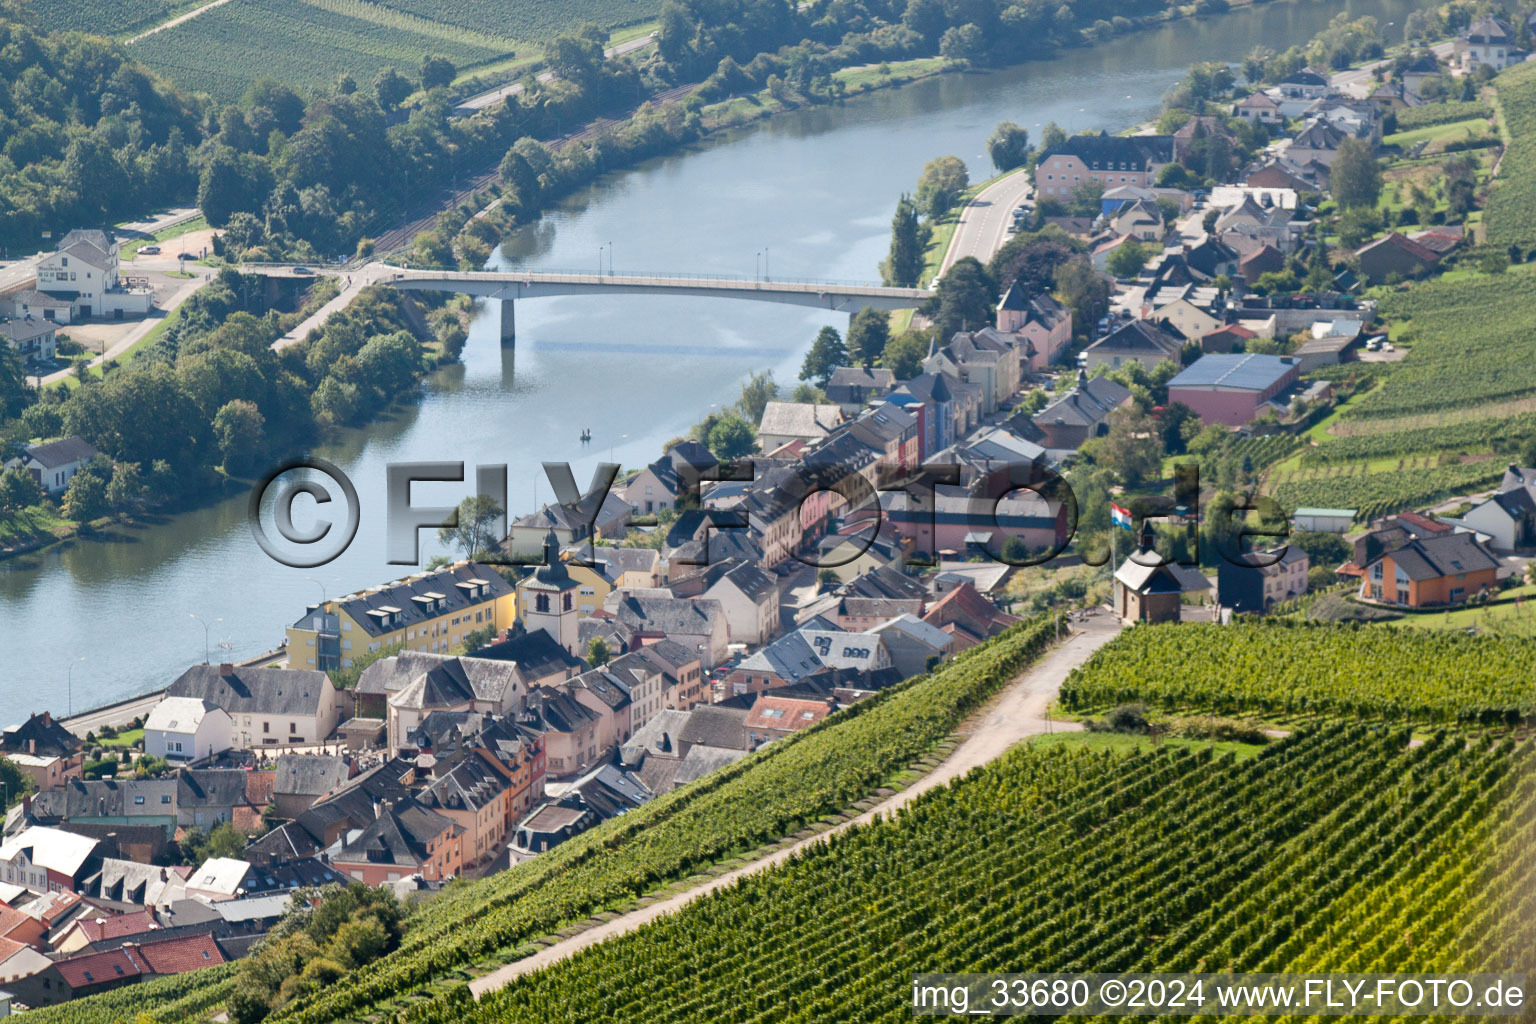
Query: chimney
26	803
47	718
226	669
32	746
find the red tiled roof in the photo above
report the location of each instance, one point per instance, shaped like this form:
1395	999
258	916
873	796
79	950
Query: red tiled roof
793	713
1423	524
258	788
12	919
95	929
113	965
9	948
966	607
176	956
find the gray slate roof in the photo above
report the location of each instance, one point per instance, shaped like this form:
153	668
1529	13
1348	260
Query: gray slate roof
263	691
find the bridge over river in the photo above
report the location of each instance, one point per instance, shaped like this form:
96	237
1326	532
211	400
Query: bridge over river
508	286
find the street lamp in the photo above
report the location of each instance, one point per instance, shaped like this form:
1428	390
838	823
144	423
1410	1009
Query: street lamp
204	622
69	689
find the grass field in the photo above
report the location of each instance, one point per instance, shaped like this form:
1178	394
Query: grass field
225	50
29	523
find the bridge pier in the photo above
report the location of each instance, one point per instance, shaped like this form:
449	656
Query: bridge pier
508	323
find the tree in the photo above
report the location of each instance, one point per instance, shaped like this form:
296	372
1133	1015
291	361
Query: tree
756	392
964	298
597	652
1132	450
86	498
477	639
903	267
391	88
474	534
940	185
126	490
436	72
868	333
962	42
827	354
1052	136
18	490
904	354
1008	146
731	437
1084	291
238	429
1355	177
225	840
1127	260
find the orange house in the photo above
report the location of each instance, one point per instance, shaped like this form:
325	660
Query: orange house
1430	571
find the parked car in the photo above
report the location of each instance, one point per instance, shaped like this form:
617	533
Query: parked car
303	272
149	250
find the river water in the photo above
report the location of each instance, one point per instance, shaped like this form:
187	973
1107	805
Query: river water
808	194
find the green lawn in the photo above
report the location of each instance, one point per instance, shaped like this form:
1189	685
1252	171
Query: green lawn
1515	613
126	738
32	522
1453	131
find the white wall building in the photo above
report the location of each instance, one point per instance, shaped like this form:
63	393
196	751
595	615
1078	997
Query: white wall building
187	729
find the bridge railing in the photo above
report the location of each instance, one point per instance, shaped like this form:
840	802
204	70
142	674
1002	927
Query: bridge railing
454	273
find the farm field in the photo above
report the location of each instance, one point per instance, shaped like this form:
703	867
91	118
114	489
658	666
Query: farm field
528	19
1286	669
305	42
1378	487
1374	855
1511	215
109	17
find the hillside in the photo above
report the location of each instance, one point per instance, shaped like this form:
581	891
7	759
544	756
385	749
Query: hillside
1374	856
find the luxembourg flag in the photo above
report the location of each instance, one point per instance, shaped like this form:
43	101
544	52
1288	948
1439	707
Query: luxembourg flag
1121	517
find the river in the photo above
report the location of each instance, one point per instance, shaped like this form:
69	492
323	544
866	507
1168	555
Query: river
809	194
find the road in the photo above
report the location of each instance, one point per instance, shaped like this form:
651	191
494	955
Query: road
494	96
985	220
1359	83
116	715
351	283
1015	715
159	222
127	341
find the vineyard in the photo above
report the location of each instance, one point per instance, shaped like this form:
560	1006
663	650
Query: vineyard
107	17
224	50
529	19
1474	342
786	787
1511	215
1421	481
1280	668
1432	115
177	997
1266	449
1340	849
1508	434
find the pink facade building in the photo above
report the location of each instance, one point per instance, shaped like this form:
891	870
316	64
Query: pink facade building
1232	388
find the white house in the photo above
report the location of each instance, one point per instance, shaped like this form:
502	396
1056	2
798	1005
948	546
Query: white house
1508	519
748	596
83	272
46	859
1488	41
187	729
267	706
31	338
54	464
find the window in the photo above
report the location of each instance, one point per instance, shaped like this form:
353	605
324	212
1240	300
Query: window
165	798
138	800
566	602
541	602
266	726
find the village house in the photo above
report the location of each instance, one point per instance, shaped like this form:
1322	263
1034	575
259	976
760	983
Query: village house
1260	579
1395	255
1507	518
83	271
44	751
1042	326
406	839
697	624
1428	571
473	794
1134	341
268	706
853	387
48	859
187	729
429	611
572	523
783	422
1109	160
1487	41
54	464
748	596
34	340
773	717
300	780
677	472
1318	142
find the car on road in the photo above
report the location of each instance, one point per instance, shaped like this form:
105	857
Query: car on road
149	250
303	272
